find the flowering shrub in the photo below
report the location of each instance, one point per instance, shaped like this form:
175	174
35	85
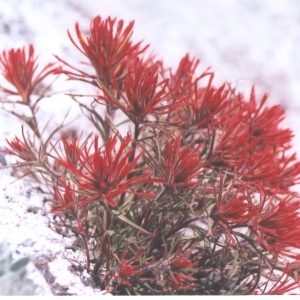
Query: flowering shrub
192	198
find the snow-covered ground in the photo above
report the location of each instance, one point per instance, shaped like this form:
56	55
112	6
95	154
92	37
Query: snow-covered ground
245	42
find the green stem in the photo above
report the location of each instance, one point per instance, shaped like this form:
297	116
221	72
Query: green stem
87	254
131	157
106	246
35	127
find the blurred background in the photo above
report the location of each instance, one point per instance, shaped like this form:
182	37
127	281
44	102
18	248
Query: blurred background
245	42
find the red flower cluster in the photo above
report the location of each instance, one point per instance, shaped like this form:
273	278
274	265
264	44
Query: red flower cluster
277	226
143	93
180	167
100	172
181	259
232	209
108	48
126	270
20	70
21	149
284	284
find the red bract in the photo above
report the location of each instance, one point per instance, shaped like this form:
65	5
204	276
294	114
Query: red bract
20	70
277	171
66	200
263	123
229	146
101	171
181	166
231	208
185	74
108	48
283	285
205	103
248	133
126	270
181	282
277	226
21	149
70	149
181	259
144	93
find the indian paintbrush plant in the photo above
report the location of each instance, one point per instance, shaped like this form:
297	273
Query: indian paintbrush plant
192	197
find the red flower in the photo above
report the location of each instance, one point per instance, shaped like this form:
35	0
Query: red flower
181	282
277	226
206	103
21	149
184	74
180	259
70	149
108	48
66	200
283	285
232	208
144	93
230	145
20	70
277	171
126	270
101	172
263	123
181	165
249	137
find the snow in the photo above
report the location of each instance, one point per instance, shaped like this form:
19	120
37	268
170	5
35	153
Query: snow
245	42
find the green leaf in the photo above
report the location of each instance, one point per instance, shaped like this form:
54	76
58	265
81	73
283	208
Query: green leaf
19	264
123	218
